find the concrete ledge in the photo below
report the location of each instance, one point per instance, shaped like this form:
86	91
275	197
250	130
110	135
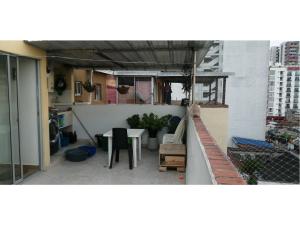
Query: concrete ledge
223	171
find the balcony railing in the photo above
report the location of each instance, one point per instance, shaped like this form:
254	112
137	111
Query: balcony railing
205	159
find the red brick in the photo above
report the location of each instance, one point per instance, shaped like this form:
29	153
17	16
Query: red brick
215	157
230	180
225	173
223	169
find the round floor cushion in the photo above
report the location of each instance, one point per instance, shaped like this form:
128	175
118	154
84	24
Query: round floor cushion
76	155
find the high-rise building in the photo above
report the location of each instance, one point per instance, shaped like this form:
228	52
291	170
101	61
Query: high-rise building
290	53
292	87
283	89
212	62
277	83
274	55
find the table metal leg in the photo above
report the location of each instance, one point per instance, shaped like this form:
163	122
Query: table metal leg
109	149
140	148
134	151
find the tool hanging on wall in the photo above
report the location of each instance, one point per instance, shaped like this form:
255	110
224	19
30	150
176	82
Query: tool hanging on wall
84	128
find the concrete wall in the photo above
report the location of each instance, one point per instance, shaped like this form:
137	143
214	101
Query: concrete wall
100	79
216	122
82	75
102	118
23	49
246	92
197	171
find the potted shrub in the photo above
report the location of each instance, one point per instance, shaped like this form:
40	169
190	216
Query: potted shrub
88	86
153	124
123	89
60	84
134	121
164	130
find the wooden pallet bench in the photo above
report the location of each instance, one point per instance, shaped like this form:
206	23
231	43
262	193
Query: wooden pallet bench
172	156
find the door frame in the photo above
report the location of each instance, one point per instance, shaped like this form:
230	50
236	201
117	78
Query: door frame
10	119
39	111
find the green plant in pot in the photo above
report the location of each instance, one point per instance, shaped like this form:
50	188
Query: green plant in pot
134	121
60	84
88	86
164	130
153	124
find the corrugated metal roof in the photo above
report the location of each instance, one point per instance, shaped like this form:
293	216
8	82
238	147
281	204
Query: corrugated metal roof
252	142
130	55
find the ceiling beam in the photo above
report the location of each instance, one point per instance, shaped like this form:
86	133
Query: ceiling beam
112	50
135	51
188	60
154	54
171	51
110	59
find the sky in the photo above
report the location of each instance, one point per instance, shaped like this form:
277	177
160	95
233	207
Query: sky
276	42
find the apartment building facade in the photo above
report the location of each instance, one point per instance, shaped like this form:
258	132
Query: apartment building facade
292	88
277	90
213	62
274	55
283	83
290	53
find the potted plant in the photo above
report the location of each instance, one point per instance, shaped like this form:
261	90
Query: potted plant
123	89
164	130
153	124
134	121
88	86
60	85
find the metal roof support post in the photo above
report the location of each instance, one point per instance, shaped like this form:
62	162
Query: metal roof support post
224	91
216	91
209	98
152	90
194	77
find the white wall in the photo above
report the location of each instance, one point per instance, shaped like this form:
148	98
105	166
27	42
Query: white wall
102	118
28	122
246	92
197	171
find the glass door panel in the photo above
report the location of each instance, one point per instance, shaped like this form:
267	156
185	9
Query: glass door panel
6	176
15	119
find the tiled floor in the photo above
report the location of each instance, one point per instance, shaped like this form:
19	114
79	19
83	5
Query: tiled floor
94	171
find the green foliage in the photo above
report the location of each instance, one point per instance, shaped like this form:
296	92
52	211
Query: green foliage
60	84
250	166
286	136
252	180
88	86
153	123
134	121
165	119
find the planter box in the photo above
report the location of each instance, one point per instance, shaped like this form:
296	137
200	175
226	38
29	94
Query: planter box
172	156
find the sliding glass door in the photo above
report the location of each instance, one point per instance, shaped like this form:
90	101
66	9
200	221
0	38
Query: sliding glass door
19	118
14	119
6	173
